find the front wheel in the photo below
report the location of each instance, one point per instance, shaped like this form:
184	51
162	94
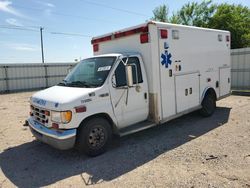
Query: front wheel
94	137
208	106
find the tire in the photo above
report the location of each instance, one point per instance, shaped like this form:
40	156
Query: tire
208	106
94	137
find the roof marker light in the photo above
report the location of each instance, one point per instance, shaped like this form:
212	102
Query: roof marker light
102	39
143	29
131	32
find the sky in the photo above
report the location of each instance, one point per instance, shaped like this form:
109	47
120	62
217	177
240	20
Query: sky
68	26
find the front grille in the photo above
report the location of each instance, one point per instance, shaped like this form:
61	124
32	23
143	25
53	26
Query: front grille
39	115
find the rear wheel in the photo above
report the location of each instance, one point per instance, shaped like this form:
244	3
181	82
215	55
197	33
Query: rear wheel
94	137
208	106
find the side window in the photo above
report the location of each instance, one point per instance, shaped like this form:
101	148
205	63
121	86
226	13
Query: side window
120	73
135	60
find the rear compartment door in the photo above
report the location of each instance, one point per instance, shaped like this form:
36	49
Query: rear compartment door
225	82
167	54
187	91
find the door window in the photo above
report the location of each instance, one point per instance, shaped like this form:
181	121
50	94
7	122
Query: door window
120	73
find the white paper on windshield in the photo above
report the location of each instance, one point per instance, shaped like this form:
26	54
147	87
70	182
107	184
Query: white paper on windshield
106	68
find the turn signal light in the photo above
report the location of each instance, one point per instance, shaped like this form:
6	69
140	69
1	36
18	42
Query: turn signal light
66	116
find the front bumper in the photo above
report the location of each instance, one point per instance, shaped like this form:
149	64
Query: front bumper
60	139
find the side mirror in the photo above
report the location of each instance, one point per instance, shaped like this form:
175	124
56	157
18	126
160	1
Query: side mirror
69	70
129	75
113	82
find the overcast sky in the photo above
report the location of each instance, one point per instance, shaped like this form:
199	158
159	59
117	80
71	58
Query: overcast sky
82	19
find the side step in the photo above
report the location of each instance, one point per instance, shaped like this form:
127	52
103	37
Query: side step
136	128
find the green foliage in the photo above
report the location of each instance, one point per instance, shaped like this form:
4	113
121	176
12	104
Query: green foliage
196	14
175	18
236	19
160	13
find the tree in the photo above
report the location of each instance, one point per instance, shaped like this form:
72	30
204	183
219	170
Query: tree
190	14
195	14
160	13
175	18
236	19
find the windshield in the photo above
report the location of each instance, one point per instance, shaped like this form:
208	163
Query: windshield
90	72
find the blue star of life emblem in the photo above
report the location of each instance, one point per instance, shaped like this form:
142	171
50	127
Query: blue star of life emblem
166	57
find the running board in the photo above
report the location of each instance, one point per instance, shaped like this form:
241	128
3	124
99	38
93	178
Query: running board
136	128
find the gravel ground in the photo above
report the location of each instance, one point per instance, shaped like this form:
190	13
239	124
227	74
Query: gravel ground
190	151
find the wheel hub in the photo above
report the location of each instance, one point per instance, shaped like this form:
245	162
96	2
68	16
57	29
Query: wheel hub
96	137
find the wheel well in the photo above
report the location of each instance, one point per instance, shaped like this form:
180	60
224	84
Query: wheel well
100	115
210	91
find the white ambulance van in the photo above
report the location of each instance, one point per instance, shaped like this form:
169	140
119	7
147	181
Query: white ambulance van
138	78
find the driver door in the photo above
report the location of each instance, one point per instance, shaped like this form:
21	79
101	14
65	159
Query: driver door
130	105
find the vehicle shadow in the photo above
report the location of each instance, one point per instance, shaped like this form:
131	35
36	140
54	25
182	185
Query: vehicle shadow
35	164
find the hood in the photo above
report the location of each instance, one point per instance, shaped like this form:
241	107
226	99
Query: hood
57	96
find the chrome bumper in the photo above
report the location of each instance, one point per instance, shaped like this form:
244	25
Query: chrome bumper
62	139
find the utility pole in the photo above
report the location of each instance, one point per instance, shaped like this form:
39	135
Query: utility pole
41	34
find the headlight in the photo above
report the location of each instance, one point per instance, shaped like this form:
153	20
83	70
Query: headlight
56	116
61	117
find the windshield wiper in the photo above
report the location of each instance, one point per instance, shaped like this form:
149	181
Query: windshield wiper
78	83
63	83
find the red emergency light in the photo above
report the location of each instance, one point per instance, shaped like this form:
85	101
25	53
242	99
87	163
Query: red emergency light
164	34
95	47
144	38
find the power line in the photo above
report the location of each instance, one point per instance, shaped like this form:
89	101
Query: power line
115	8
70	34
87	18
15	35
65	15
18	28
38	30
